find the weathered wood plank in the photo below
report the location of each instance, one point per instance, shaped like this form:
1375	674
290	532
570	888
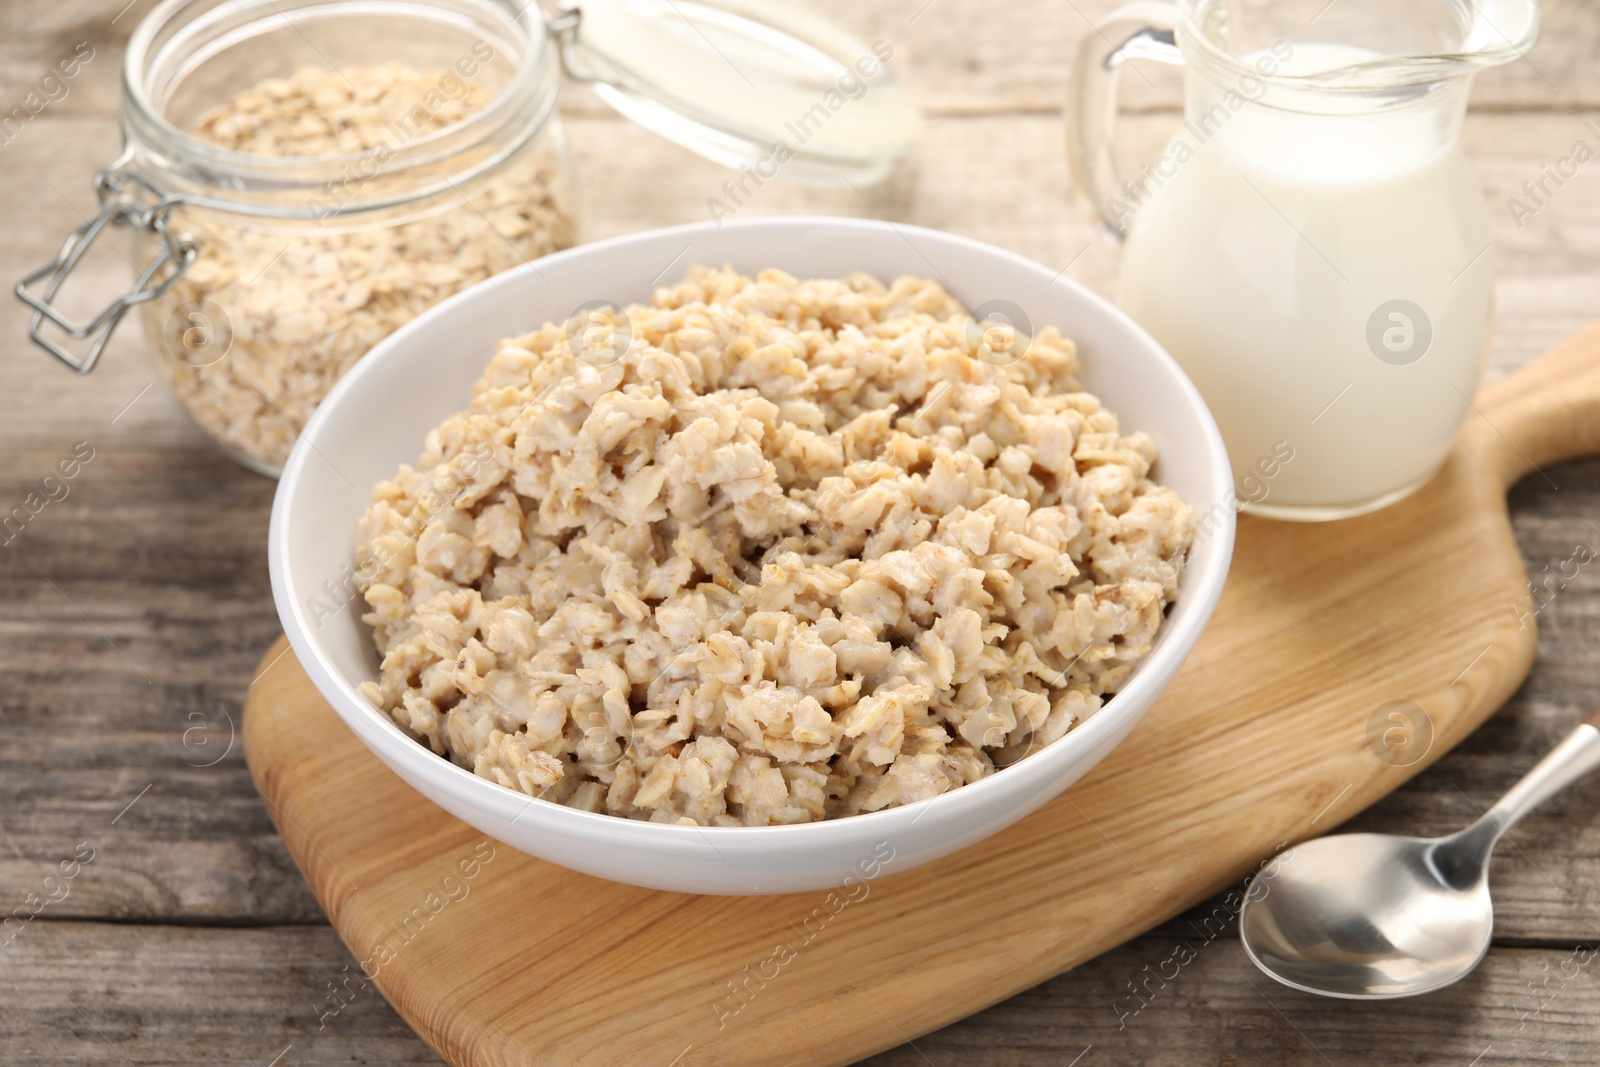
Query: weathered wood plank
137	607
92	993
960	57
96	993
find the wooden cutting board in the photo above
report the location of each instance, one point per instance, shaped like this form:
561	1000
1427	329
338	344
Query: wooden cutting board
1343	658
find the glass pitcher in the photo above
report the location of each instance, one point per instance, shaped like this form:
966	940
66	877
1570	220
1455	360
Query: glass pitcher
1311	246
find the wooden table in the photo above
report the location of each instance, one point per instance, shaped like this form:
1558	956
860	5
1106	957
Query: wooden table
136	608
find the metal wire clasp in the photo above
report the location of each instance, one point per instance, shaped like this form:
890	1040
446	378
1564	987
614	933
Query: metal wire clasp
126	199
563	25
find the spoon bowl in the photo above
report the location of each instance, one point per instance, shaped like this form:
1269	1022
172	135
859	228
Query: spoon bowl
1366	917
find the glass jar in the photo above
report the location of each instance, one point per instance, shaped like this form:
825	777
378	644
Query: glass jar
306	176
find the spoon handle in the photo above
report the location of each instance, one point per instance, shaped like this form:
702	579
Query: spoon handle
1577	755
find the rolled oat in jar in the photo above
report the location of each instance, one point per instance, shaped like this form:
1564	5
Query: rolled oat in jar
297	305
305	177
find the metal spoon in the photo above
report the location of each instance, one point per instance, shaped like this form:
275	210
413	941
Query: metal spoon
1376	916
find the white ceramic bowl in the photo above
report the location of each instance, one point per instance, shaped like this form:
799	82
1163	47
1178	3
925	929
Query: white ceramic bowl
376	418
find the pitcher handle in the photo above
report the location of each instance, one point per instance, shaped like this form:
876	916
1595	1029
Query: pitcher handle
1143	30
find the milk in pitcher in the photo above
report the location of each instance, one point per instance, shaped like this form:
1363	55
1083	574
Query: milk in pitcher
1314	251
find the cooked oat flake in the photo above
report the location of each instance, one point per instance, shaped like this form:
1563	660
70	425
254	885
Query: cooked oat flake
797	553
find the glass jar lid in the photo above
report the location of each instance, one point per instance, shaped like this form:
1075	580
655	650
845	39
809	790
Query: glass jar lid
747	83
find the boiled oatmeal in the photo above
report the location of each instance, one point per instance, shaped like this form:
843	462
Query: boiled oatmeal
797	550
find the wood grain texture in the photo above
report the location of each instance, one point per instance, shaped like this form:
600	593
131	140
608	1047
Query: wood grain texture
1414	619
961	57
97	995
160	547
1549	411
84	993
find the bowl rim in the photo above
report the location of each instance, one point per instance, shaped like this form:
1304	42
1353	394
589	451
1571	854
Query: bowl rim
1202	588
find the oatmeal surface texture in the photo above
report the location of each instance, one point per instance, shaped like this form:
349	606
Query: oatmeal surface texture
805	549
